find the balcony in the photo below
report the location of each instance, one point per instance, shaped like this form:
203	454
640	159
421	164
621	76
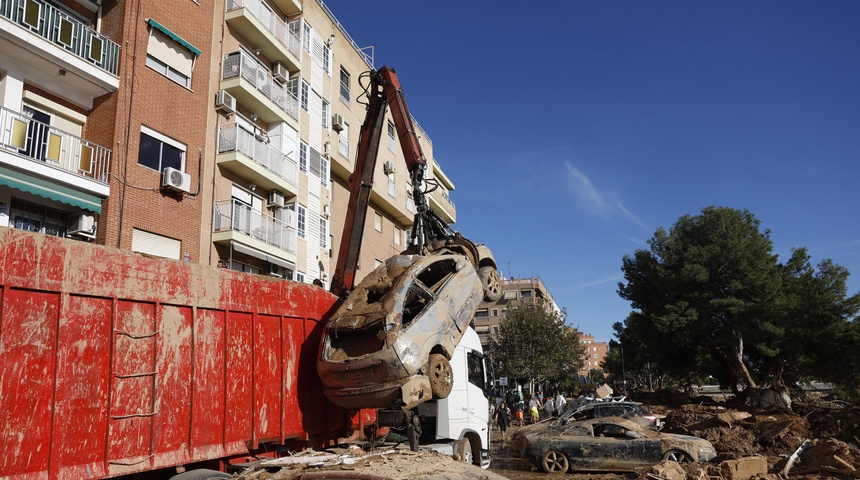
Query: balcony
289	7
252	86
59	48
236	222
266	30
77	167
441	203
253	158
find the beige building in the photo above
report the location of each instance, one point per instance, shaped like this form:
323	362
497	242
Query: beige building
140	125
489	314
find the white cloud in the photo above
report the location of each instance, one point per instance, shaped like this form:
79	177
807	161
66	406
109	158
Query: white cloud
584	190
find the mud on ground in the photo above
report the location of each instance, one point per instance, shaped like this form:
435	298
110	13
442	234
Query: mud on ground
737	433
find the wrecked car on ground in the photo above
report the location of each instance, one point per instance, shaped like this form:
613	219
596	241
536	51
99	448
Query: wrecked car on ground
605	444
389	344
587	410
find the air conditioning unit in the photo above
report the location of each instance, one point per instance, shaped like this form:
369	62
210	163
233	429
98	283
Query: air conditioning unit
224	102
176	180
388	168
337	122
280	72
276	199
83	225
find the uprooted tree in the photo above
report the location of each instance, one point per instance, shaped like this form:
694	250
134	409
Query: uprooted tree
535	344
711	292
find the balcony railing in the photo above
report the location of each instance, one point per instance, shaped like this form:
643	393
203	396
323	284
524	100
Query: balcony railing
41	142
241	64
67	32
286	33
237	216
231	138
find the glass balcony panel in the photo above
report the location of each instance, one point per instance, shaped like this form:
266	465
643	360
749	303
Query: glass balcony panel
240	217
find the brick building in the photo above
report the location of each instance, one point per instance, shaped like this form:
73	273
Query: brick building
595	352
220	132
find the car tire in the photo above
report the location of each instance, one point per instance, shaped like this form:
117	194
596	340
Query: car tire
491	282
200	474
554	461
441	375
677	456
464	449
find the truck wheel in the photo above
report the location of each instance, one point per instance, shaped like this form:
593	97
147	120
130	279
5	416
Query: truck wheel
464	449
491	282
441	375
554	461
200	474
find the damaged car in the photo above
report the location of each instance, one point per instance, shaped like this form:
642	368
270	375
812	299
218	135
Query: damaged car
389	343
634	411
606	444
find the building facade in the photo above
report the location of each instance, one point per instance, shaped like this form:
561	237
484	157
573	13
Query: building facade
489	315
222	133
594	354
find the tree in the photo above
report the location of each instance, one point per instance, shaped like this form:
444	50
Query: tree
712	291
534	344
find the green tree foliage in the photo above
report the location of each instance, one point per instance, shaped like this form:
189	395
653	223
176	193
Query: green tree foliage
711	292
534	344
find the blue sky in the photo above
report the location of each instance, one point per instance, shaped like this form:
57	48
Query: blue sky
572	130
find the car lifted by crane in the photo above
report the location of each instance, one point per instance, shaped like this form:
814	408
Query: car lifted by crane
391	342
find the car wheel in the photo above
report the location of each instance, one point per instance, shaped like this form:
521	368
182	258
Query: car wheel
464	449
200	474
441	375
554	461
491	282
677	456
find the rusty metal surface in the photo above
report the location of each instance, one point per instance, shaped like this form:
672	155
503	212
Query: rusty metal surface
604	444
381	337
113	363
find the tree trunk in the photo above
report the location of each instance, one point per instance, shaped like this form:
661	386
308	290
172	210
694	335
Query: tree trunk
740	366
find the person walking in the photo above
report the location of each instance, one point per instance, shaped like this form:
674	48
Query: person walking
503	417
533	409
549	407
560	402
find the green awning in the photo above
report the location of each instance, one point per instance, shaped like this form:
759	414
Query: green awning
45	188
176	38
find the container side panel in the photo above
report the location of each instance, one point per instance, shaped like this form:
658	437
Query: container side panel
83	369
239	381
173	391
132	395
316	414
28	337
207	411
267	370
292	347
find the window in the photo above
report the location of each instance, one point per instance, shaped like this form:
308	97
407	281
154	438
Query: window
306	37
344	86
509	295
495	312
377	222
324	171
476	370
397	235
343	141
323	233
158	151
392	187
304	94
527	294
299	277
481	313
168	57
300	216
36	218
303	157
327	59
410	203
154	244
390	136
326	114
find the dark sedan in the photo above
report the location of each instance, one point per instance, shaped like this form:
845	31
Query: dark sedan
606	444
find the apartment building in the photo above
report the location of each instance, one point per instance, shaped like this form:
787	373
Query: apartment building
594	354
221	133
489	315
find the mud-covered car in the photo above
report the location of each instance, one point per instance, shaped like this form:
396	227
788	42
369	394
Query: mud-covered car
634	411
389	344
606	445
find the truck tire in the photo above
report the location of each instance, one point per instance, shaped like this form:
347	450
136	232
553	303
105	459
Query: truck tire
441	375
464	450
491	283
200	474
